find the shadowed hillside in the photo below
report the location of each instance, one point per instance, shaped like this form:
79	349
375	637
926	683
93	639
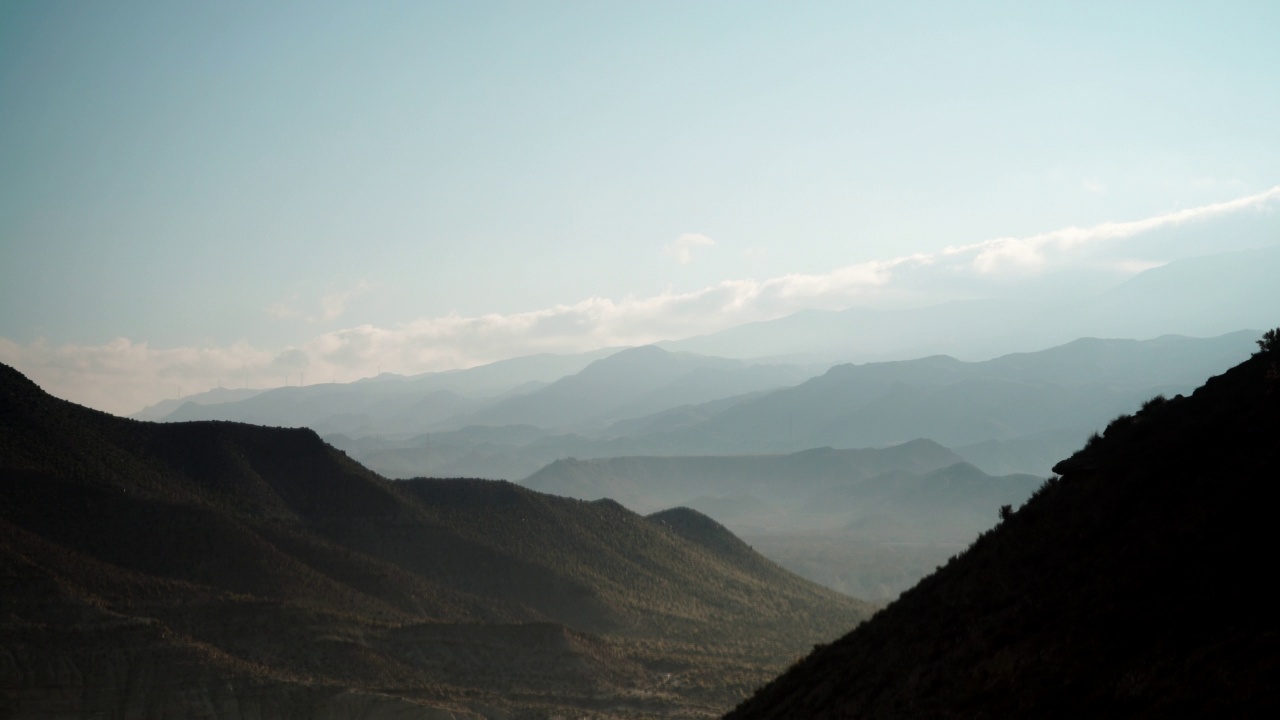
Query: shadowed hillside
869	522
219	569
1135	585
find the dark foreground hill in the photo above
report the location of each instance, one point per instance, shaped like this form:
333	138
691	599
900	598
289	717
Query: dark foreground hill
1138	584
213	569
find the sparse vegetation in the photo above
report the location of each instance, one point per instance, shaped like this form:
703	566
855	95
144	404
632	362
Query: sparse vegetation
1048	483
1269	341
1154	403
1119	423
214	554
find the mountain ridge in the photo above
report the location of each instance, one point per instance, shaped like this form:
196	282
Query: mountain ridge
1129	586
218	565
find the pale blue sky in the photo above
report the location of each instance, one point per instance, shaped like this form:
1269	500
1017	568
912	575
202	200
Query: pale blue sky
195	175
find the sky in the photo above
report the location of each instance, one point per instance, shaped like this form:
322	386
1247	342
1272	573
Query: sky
196	193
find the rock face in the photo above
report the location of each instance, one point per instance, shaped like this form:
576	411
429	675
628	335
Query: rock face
212	569
1135	585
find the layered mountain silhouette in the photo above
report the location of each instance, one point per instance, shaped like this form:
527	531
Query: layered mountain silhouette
386	403
509	419
216	396
1063	393
567	393
868	522
221	569
654	482
1133	585
915	492
992	413
1015	415
633	383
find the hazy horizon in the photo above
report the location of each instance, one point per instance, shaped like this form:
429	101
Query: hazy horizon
240	194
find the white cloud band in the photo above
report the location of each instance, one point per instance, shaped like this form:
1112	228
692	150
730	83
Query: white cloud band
123	376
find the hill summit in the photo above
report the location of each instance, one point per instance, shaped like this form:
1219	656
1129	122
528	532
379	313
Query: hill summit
1136	584
215	569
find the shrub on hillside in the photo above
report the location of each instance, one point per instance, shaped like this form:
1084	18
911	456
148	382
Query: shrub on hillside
1269	341
1121	422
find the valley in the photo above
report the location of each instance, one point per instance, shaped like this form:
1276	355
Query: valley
246	569
638	361
784	455
1127	586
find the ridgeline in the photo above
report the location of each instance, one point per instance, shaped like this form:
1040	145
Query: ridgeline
1136	584
219	569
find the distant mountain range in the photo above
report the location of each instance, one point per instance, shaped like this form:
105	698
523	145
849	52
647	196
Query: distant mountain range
1032	409
1016	414
634	383
707	396
563	393
914	492
217	396
1010	417
1077	387
384	404
641	401
222	569
1134	585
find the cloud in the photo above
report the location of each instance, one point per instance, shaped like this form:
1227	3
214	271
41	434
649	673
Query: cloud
123	376
284	310
332	304
1009	254
682	247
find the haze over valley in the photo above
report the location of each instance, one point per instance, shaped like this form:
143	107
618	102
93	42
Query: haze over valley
793	464
516	361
